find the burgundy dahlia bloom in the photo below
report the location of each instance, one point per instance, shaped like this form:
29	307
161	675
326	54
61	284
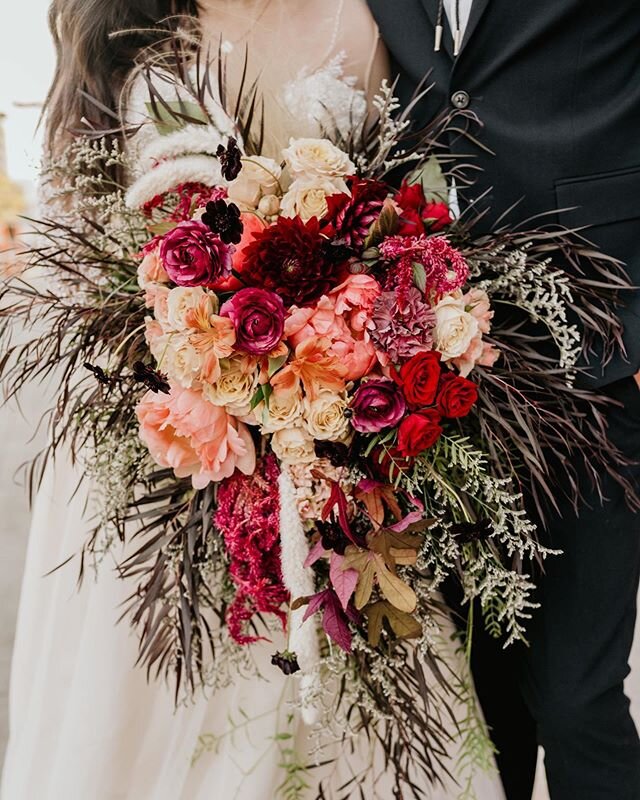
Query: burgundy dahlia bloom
350	218
258	317
377	404
288	258
402	327
194	256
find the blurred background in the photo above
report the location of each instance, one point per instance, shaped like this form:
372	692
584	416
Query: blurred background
26	64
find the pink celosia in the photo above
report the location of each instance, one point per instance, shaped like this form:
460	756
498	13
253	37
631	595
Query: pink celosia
445	268
248	518
195	438
402	329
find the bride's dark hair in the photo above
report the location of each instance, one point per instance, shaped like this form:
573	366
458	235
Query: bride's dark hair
92	64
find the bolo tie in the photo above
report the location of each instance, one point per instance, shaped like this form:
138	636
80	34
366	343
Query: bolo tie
457	35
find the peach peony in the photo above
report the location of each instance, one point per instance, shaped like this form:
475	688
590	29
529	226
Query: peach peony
193	437
340	317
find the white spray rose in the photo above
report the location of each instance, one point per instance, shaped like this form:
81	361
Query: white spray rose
455	327
307	158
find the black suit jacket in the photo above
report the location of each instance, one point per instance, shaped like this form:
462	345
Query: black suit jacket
556	85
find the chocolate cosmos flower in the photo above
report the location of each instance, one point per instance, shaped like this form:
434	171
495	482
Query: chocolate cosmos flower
224	219
230	159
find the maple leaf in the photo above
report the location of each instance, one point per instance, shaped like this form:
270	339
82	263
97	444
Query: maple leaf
337	499
335	620
343	580
372	567
375	496
402	624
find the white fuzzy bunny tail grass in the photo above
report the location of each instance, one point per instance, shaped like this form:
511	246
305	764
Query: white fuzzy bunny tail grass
303	638
170	174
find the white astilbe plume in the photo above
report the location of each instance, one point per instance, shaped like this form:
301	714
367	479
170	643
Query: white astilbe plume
298	579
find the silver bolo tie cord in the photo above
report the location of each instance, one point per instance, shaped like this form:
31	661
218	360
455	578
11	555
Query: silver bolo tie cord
457	34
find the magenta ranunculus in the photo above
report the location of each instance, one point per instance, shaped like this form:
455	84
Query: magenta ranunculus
258	317
377	404
194	256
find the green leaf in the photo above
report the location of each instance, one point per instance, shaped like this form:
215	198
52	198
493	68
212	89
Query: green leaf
386	225
172	116
258	397
275	364
419	276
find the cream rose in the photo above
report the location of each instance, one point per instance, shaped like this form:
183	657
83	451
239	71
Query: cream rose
259	177
308	197
176	356
317	157
293	446
151	270
455	327
284	410
324	417
234	388
183	299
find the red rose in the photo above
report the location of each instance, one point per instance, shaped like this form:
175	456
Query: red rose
419	432
419	378
436	216
457	396
418	214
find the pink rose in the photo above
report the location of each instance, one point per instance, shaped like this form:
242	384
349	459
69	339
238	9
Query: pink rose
194	256
258	318
193	437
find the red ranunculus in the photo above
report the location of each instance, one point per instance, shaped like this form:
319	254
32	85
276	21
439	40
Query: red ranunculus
194	256
419	378
288	258
258	317
456	396
418	432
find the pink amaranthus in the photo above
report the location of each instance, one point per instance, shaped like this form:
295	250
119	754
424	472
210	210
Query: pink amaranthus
248	518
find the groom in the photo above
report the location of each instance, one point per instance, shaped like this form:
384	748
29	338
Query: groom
556	86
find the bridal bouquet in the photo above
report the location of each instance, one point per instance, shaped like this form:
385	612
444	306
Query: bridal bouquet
303	413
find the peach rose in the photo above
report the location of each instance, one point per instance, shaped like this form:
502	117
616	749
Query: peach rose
477	304
151	269
193	437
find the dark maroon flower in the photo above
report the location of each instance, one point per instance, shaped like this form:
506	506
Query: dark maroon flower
349	217
288	258
224	219
286	661
258	317
230	159
377	404
194	256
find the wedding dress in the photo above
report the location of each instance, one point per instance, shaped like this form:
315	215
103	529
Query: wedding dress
85	723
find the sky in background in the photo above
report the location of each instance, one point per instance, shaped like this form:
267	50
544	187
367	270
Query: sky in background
26	65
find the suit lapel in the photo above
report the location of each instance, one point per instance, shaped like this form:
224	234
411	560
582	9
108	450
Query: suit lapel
431	7
478	8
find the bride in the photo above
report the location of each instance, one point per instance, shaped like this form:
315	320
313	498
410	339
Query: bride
85	722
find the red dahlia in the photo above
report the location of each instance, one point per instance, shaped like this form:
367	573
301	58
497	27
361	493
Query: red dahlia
350	217
288	258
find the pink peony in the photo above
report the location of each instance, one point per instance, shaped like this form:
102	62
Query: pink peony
194	256
355	299
352	347
193	437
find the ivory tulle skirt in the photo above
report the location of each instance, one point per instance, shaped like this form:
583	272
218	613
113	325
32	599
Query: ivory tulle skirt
86	725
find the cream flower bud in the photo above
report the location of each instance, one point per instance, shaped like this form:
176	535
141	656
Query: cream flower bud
269	205
317	157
